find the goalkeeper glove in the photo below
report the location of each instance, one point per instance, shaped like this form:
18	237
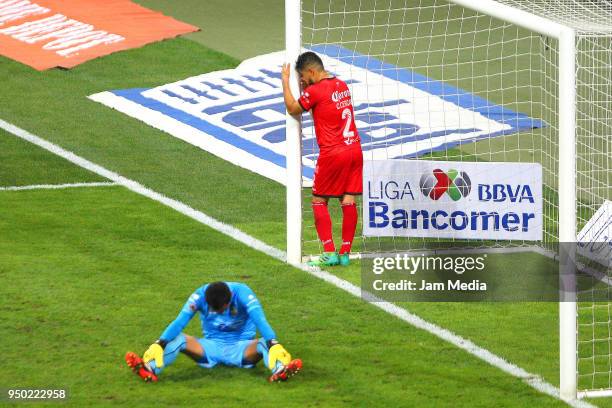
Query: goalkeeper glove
155	352
278	357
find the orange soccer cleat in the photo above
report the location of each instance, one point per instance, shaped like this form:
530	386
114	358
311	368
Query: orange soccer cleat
139	368
287	371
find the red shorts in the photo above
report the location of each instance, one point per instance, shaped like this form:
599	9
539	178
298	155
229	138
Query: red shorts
338	174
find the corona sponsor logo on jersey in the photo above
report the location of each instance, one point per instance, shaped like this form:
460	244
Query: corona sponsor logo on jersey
501	201
239	114
338	96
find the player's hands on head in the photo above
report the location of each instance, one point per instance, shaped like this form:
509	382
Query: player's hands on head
286	72
154	352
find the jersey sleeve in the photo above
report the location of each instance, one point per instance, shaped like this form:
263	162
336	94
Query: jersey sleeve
249	301
189	310
309	98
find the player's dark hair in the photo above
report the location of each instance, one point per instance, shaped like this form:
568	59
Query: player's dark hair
308	59
217	295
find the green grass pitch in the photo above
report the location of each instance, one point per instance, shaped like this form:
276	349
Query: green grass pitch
95	272
90	273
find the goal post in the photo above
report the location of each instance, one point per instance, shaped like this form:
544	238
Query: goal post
541	68
568	320
293	47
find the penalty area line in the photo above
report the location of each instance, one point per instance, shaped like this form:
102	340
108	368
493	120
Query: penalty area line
58	186
485	355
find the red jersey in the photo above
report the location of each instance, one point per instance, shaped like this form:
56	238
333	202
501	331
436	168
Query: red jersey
332	113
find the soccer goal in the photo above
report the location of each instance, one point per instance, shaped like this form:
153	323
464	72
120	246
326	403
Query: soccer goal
514	81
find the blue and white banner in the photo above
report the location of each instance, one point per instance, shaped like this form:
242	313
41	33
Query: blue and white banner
441	199
239	114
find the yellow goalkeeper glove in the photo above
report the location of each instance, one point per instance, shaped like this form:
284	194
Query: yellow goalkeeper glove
278	354
154	352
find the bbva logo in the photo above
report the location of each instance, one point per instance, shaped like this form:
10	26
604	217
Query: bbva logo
456	184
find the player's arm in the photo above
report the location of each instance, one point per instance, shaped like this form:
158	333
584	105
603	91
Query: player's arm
293	106
276	352
156	350
253	308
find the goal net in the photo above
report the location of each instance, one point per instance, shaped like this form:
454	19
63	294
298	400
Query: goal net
511	81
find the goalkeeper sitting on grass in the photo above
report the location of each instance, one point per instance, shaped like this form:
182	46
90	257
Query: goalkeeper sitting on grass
230	315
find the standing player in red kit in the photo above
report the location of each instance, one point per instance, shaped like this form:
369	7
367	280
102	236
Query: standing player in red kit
339	167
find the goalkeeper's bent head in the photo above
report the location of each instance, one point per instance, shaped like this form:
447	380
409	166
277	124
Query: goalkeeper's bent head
218	296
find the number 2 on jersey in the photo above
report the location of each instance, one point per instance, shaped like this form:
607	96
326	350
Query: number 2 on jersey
348	134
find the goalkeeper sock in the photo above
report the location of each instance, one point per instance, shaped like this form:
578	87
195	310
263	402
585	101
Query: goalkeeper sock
262	348
324	226
171	351
349	224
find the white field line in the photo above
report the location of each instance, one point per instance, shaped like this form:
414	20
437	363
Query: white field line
58	186
533	380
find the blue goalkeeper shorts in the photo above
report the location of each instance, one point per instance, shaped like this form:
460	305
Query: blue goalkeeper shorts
229	354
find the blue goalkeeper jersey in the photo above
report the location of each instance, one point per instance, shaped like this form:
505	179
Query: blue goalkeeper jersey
240	321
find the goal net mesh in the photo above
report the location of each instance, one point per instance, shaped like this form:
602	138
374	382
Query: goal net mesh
498	65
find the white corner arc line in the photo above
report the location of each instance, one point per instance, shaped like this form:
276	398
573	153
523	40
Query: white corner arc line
532	380
58	186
